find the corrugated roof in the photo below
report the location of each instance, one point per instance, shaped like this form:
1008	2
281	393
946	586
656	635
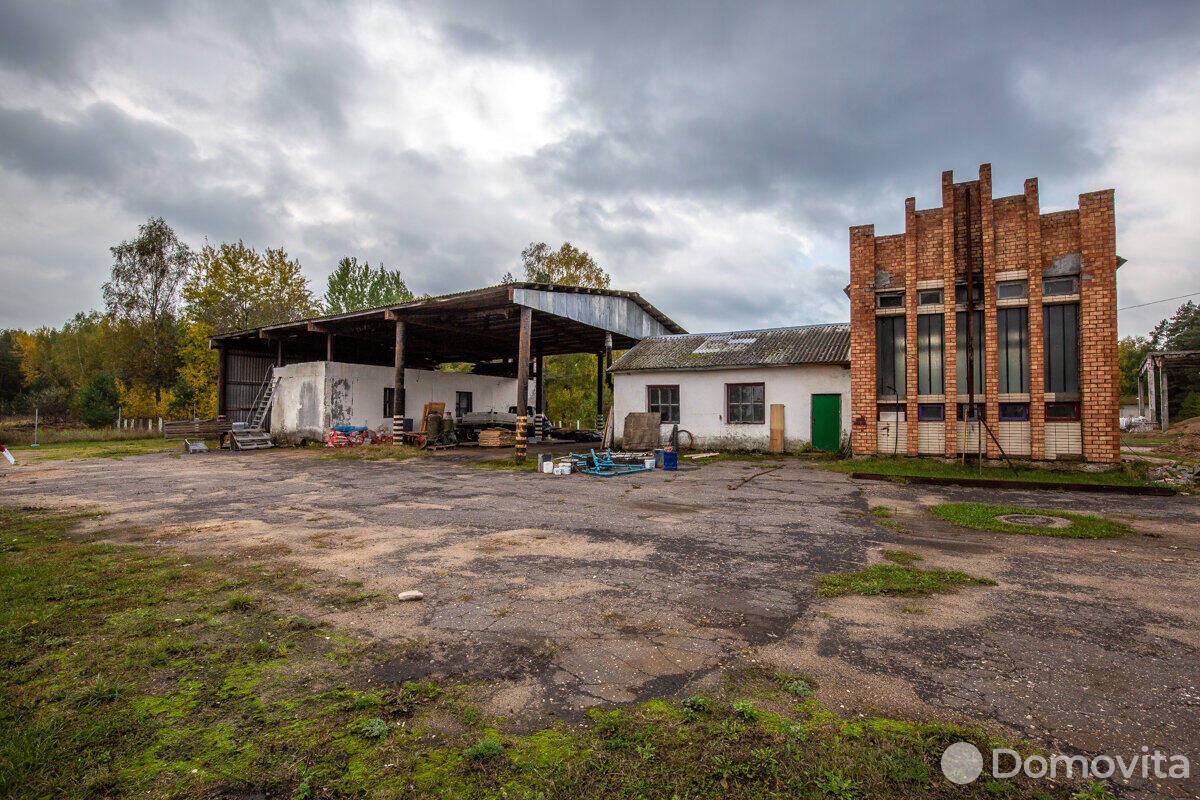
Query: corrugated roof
806	344
449	298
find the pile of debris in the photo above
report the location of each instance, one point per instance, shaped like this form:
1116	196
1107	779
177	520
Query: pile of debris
1173	474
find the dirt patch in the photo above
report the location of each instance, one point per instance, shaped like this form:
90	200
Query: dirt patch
555	594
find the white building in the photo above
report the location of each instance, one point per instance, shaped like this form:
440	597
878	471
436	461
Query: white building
721	387
314	396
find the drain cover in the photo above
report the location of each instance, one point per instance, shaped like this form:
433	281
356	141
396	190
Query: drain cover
1035	520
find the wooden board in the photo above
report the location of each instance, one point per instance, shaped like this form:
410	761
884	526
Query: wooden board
642	430
776	445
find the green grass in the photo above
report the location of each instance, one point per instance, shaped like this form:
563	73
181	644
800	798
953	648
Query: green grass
118	448
883	515
982	516
368	452
529	464
20	432
129	673
1128	474
902	557
896	581
758	455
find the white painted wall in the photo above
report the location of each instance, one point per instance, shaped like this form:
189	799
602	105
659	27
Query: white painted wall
314	396
702	401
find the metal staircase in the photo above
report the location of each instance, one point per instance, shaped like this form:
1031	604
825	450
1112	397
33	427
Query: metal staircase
253	436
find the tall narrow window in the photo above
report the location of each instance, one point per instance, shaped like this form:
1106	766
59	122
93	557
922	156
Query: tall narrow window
929	354
889	357
389	398
1012	345
1060	323
664	400
961	335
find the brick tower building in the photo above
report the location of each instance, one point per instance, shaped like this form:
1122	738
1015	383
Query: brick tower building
1044	346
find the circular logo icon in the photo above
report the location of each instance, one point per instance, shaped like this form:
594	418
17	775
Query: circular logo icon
962	763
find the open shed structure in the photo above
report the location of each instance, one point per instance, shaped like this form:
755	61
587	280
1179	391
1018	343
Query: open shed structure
503	330
1153	399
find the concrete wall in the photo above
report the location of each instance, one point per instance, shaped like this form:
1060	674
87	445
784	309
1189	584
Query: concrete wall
314	396
702	401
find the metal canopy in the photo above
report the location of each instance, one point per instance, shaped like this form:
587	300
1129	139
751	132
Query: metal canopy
1152	382
481	325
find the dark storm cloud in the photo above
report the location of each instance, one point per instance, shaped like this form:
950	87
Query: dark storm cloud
102	145
711	154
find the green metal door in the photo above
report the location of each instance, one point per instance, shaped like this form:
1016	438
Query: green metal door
827	421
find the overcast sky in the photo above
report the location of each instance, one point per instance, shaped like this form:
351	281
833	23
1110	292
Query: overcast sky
710	156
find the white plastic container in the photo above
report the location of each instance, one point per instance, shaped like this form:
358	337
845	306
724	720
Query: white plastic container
649	463
547	467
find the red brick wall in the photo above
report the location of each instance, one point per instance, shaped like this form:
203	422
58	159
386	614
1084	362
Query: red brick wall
1033	248
862	340
1098	383
1009	215
1007	233
950	209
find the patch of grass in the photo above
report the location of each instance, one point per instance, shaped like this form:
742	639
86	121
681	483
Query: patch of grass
901	557
368	452
529	464
374	728
897	581
20	432
117	448
909	608
257	705
239	602
1128	474
982	516
881	512
484	750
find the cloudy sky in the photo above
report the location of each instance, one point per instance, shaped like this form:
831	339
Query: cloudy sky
710	156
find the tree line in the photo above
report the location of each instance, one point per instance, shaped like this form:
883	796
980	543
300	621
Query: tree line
146	353
1180	331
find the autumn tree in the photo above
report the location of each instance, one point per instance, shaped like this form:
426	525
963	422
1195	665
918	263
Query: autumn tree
234	287
142	299
566	266
569	382
1131	352
352	287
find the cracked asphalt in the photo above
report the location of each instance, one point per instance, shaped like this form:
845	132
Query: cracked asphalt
558	593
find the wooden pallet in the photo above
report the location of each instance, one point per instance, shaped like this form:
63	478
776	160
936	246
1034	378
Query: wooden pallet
497	437
250	440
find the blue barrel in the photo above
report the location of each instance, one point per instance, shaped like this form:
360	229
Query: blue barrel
670	460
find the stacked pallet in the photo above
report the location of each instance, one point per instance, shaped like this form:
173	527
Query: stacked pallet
497	437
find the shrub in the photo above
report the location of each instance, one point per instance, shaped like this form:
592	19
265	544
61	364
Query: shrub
98	400
374	727
484	750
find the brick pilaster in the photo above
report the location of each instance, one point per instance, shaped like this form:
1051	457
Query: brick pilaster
950	335
863	438
910	320
991	354
1098	378
1037	381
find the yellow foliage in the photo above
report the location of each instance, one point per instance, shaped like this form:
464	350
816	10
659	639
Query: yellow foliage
198	370
137	401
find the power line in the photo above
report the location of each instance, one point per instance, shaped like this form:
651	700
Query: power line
1164	300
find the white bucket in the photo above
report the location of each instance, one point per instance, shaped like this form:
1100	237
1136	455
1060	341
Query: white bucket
649	463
